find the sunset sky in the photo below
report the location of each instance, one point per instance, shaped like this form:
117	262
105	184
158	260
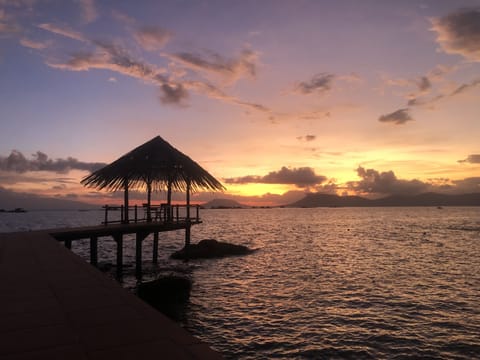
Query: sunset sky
273	98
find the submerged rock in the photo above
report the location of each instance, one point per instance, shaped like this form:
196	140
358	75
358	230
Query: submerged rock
210	248
165	290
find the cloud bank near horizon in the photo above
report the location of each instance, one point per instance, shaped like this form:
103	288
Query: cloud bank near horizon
384	183
18	163
300	177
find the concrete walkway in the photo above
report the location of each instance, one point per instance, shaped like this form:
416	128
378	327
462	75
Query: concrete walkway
53	305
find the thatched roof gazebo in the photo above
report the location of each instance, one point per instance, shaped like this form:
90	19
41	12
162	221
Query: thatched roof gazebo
155	165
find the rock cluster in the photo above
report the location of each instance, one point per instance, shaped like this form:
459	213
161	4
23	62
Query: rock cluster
210	248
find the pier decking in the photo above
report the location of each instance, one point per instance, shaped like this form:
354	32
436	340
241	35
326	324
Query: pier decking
53	305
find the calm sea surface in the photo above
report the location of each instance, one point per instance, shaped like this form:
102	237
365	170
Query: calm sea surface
360	283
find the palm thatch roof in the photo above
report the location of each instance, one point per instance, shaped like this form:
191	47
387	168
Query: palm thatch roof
155	164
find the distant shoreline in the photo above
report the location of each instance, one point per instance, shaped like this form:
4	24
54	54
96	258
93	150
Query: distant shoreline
313	200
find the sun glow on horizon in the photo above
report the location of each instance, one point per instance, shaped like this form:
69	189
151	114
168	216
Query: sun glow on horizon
258	189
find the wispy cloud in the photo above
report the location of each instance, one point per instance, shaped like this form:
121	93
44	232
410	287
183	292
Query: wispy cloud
315	115
123	18
232	69
459	33
63	30
301	177
307	138
350	78
426	91
17	162
173	89
417	87
464	87
214	92
89	10
319	83
32	44
398	117
152	38
110	57
460	89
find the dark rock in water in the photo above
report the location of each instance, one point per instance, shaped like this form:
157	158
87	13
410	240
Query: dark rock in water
167	294
164	290
211	248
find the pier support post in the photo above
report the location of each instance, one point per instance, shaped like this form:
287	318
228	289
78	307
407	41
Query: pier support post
94	250
68	244
138	253
187	240
187	234
119	240
155	247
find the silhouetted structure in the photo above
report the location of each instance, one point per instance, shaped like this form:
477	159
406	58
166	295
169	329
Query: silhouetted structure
155	165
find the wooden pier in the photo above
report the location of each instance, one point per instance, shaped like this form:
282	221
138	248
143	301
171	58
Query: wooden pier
54	305
168	219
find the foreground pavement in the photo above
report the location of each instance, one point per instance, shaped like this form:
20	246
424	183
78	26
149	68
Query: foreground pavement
54	305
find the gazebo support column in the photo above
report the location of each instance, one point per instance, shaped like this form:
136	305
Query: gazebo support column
119	240
188	200
140	236
169	200
125	200
187	226
155	247
149	200
94	250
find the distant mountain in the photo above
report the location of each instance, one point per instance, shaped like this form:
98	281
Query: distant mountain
328	200
425	199
223	204
11	200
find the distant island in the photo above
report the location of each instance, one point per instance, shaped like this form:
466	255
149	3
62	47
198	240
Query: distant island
223	204
426	199
230	204
16	210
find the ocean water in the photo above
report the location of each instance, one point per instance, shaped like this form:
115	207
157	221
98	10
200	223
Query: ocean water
344	283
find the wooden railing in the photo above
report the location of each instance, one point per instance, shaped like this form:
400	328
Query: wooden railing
160	213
